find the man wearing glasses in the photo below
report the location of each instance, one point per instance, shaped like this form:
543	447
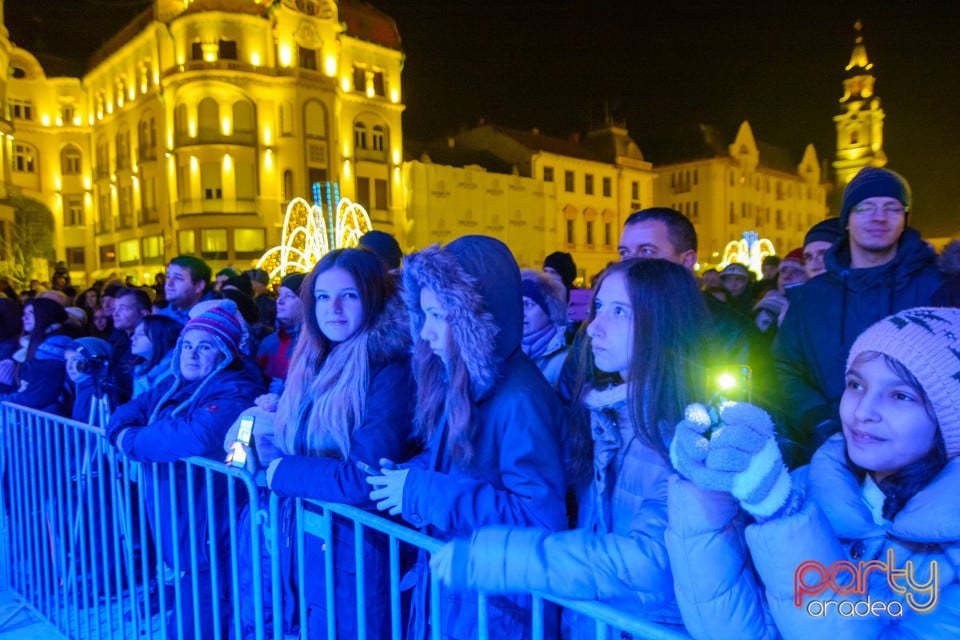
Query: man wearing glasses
878	267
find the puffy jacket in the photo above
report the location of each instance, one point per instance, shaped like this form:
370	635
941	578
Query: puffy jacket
827	315
721	596
43	378
515	475
616	555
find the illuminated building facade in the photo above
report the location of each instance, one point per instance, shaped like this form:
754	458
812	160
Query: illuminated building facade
537	193
195	125
729	189
860	121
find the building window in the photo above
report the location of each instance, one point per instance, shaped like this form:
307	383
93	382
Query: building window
607	187
187	241
286	119
379	86
129	252
569	231
359	79
287	185
360	135
380	194
733	217
73	211
588	184
125	207
24	158
196	51
108	256
21	109
211	184
696	176
363	192
67	113
607	234
248	243
377	138
568	181
213	244
589	233
228	50
548	174
153	250
70	161
635	190
696	212
308	58
76	258
148	200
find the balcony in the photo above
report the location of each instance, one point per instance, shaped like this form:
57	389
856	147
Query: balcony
216	136
148	216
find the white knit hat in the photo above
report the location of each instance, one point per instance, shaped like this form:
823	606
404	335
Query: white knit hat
926	340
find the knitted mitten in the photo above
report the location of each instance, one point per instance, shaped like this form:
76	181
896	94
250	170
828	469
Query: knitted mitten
691	446
743	448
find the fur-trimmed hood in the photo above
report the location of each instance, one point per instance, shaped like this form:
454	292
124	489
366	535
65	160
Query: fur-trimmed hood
477	281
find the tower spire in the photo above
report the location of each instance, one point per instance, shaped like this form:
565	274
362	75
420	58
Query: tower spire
860	121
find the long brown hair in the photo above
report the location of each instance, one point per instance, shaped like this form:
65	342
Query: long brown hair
326	386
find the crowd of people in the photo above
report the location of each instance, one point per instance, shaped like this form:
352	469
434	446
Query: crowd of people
586	460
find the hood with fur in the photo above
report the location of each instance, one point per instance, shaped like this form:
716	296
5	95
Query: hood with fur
477	281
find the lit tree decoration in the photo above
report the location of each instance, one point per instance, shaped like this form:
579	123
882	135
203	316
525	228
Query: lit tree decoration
308	234
749	251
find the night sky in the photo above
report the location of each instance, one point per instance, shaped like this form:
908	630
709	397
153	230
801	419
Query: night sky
555	64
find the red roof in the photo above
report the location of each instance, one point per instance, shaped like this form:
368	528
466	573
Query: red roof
368	23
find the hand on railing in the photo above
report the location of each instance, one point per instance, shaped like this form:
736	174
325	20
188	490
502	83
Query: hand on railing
389	495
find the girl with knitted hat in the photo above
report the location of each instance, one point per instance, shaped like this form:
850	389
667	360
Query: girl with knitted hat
491	423
871	525
188	414
643	337
346	404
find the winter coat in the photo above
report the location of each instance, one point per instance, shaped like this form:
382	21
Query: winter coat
515	475
384	433
43	379
273	354
720	594
617	553
829	312
553	357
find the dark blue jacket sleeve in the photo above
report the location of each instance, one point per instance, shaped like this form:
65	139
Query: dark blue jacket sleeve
385	433
45	382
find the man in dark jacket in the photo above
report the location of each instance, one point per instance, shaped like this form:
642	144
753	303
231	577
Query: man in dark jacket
878	267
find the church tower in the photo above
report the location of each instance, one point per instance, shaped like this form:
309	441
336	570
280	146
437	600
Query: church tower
860	121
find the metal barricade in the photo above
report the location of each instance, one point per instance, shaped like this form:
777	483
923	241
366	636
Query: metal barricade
104	547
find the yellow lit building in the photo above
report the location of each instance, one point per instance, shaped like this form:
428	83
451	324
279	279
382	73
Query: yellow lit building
537	193
743	186
860	121
193	127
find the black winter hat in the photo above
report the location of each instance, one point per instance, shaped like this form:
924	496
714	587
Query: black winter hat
564	265
873	182
385	246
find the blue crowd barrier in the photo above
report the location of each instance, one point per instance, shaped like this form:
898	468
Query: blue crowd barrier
105	547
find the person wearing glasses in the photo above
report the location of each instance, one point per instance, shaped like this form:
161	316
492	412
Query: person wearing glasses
878	267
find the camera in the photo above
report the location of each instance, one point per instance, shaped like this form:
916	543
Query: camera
93	365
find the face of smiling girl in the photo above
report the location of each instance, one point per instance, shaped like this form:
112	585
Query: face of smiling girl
338	307
611	330
886	423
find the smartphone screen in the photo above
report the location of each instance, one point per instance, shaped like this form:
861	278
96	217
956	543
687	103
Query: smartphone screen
237	456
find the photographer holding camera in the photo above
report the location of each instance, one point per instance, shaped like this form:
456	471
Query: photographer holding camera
88	367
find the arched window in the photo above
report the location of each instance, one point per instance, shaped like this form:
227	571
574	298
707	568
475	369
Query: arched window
123	149
208	118
359	136
315	119
147	137
379	136
243	116
70	160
